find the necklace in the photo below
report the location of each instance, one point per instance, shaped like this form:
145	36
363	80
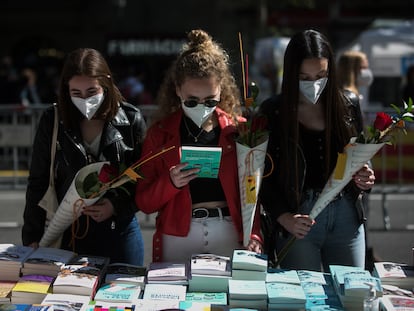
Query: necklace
190	133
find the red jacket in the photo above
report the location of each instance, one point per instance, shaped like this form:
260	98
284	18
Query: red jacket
156	193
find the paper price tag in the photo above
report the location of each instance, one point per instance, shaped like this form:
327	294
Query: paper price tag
250	183
340	166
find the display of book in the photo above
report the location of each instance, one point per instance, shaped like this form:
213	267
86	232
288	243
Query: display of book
396	303
11	260
81	276
31	289
397	274
207	159
46	261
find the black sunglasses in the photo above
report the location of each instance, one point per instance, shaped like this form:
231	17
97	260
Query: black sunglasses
210	103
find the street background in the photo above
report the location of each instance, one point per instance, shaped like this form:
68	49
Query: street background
394	244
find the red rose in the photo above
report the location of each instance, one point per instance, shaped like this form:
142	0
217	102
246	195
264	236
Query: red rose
107	173
382	121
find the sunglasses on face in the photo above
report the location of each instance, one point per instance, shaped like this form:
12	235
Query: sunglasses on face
210	103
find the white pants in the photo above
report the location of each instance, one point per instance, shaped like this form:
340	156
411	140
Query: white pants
216	235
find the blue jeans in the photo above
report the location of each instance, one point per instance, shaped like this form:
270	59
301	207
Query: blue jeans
133	243
337	237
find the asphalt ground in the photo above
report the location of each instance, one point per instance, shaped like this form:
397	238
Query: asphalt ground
395	244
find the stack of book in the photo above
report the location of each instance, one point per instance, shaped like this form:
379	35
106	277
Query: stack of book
284	290
11	260
6	288
397	274
248	265
167	273
351	285
319	290
31	289
248	294
209	273
46	261
82	275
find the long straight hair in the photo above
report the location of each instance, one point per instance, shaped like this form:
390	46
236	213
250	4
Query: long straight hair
307	45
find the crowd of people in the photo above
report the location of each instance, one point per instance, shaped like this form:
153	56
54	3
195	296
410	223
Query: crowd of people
199	104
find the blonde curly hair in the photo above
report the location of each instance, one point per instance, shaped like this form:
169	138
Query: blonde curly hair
200	57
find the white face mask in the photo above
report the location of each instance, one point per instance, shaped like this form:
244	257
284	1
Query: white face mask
88	106
312	89
365	77
198	114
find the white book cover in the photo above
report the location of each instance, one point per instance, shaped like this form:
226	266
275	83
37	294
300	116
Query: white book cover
118	292
396	303
14	253
242	289
312	276
386	269
210	264
282	276
165	292
53	258
167	271
156	305
285	293
248	260
66	302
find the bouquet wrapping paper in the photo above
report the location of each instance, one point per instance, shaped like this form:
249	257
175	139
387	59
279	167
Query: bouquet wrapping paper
355	156
71	206
250	163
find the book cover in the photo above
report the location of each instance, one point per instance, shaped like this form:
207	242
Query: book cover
125	273
194	306
33	284
152	305
386	269
210	264
82	275
167	272
207	159
245	290
110	306
282	276
313	276
358	285
6	288
118	292
248	260
396	303
285	293
165	292
219	298
15	306
66	302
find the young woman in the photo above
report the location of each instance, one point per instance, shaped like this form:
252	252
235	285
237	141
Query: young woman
94	125
199	105
310	122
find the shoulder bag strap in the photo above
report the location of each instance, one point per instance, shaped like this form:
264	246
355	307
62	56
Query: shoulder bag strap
53	147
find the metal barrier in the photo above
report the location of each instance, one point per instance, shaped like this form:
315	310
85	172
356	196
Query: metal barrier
18	125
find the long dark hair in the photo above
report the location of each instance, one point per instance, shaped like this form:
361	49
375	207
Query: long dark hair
87	62
306	45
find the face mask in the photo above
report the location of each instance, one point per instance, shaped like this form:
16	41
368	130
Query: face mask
365	77
198	114
88	106
312	89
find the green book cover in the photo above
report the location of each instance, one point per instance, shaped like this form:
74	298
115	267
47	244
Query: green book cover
207	159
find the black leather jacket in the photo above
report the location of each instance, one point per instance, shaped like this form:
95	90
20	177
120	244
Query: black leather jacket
120	143
272	193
